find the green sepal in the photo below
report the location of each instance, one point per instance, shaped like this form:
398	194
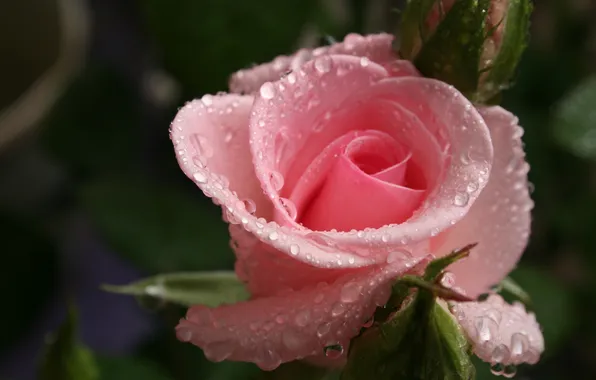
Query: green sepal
65	358
187	289
414	337
413	29
421	341
513	44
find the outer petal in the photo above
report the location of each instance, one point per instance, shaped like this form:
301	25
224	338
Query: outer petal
376	47
270	331
211	135
500	218
500	332
302	101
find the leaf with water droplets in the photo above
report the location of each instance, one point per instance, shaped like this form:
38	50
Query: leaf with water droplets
65	358
187	289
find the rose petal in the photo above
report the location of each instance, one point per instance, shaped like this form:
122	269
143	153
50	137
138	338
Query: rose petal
320	104
274	330
376	47
500	332
212	134
500	218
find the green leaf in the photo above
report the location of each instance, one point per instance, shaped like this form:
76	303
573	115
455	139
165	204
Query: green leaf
421	342
113	368
65	358
509	286
194	34
574	123
159	228
187	289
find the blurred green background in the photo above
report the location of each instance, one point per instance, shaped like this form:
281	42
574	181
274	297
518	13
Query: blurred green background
90	191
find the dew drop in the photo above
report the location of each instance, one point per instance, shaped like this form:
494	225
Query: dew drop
500	354
302	318
250	206
497	369
280	319
338	309
510	371
319	298
495	315
291	339
207	100
323	329
291	78
399	255
228	137
472	187
267	90
519	344
290	208
364	61
448	280
486	328
276	180
273	235
385	238
200	177
350	292
323	64
461	199
334	351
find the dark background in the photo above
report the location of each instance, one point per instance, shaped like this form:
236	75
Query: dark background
90	191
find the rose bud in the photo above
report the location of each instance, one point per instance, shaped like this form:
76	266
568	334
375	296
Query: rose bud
474	45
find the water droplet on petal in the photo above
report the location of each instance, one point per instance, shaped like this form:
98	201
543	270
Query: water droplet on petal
338	309
276	180
486	329
291	78
495	315
323	329
448	280
319	298
364	61
510	371
472	187
500	354
267	90
334	351
461	199
302	318
273	235
290	208
250	206
229	136
519	345
291	339
497	369
399	255
350	292
323	64
200	177
207	99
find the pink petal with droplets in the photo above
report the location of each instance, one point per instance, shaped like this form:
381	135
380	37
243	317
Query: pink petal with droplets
211	136
211	140
334	95
500	332
274	330
376	47
500	218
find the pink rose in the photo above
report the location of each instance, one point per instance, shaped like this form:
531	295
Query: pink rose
339	170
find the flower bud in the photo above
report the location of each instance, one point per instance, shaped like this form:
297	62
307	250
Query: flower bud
474	45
